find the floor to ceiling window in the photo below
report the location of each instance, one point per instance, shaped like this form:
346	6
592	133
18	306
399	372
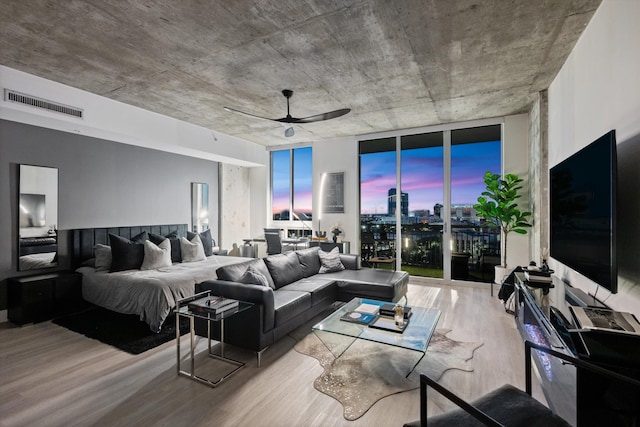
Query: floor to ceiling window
291	184
429	195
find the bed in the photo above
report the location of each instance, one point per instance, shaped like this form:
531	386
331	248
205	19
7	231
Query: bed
150	294
37	261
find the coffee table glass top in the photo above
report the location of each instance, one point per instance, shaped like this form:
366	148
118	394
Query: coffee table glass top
416	336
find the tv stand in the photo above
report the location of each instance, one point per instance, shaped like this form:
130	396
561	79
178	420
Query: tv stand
582	398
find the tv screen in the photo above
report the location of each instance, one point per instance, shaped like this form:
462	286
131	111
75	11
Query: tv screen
583	212
32	210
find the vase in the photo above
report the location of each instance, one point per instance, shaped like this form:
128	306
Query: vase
501	273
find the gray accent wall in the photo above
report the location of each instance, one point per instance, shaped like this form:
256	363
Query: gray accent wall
101	184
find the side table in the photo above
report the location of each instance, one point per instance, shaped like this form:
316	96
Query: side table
183	310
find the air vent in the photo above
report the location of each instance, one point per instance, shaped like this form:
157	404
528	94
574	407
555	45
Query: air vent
20	98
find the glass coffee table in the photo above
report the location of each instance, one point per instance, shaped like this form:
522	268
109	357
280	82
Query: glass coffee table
183	310
338	335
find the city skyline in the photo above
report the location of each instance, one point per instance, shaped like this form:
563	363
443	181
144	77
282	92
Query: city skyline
423	175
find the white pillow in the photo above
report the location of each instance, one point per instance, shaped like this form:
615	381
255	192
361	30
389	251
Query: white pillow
156	256
103	257
192	250
330	261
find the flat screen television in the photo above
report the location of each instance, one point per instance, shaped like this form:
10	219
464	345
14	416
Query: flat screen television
32	210
583	212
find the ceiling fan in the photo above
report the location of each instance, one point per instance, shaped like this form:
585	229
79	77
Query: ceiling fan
288	119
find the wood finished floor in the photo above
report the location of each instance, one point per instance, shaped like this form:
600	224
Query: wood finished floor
51	376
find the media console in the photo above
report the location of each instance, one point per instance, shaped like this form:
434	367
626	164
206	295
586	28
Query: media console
583	399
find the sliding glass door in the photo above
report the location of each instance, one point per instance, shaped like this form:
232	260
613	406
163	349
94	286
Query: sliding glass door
425	185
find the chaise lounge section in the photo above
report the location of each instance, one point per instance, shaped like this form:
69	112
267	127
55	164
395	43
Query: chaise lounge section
291	288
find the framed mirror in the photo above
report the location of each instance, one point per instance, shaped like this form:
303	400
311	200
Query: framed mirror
37	217
199	207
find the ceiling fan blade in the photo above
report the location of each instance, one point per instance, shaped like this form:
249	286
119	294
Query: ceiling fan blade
233	110
315	118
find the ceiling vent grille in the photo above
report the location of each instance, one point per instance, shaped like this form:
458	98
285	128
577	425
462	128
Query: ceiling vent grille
20	98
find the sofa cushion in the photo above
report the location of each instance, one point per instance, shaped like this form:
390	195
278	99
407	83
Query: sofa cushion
309	261
383	285
253	277
284	268
289	304
330	261
233	272
319	287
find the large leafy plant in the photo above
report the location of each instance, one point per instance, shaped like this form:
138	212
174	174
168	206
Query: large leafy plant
499	207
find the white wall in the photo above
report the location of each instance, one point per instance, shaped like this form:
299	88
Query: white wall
598	89
515	159
115	121
338	155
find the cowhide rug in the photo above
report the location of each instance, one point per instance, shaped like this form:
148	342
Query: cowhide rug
367	371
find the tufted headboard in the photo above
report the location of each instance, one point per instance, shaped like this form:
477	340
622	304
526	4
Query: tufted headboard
84	239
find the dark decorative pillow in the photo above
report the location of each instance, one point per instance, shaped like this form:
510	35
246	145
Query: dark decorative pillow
127	254
233	272
284	268
309	261
207	240
330	261
253	277
176	254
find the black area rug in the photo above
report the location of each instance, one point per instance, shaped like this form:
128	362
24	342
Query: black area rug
126	332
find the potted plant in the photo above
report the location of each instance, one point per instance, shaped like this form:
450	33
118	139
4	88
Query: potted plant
499	207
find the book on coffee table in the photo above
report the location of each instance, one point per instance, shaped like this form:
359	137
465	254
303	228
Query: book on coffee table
358	317
388	324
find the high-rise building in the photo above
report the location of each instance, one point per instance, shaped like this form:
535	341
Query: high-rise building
404	203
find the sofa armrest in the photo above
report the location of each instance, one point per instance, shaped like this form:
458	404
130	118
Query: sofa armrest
351	261
257	294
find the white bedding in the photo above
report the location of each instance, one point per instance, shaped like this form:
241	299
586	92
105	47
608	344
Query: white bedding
35	261
151	294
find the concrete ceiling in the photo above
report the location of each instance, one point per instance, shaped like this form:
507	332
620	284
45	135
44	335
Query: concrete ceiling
396	63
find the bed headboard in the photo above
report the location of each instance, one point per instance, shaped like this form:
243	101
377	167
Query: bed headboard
84	239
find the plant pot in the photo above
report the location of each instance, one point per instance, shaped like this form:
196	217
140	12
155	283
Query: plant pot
501	273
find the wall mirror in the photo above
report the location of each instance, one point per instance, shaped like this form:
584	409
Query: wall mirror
199	207
37	217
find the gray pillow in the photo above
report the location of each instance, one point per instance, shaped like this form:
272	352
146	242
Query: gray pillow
253	277
193	250
309	261
284	268
330	261
233	272
156	256
206	239
103	257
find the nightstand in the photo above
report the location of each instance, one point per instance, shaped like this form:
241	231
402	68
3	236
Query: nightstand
43	296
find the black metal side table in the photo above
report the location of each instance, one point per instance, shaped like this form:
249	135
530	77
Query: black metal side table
183	310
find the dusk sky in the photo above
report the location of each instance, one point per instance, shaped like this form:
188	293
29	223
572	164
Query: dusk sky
422	176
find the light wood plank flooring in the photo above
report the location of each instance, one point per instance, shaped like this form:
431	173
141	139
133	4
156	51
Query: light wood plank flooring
51	376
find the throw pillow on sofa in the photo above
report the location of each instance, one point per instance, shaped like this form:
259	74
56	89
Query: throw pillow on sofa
253	277
233	272
309	261
330	261
284	268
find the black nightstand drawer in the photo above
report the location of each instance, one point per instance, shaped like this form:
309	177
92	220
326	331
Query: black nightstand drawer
41	297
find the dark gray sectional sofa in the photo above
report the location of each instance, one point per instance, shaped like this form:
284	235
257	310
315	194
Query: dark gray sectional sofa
292	292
